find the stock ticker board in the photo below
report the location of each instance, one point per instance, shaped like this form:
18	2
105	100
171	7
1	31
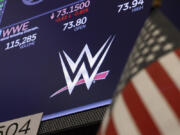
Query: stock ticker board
64	56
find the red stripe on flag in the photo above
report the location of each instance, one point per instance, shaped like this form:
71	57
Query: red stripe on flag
110	130
139	112
99	132
178	52
165	86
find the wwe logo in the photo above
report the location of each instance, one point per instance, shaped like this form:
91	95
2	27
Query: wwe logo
88	80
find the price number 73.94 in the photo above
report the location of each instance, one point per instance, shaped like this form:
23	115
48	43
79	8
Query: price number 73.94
130	5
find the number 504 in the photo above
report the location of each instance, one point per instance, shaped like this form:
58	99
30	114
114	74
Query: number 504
15	129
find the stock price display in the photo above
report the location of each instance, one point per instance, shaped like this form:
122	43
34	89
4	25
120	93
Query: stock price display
63	55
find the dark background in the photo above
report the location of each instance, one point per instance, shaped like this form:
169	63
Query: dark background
171	9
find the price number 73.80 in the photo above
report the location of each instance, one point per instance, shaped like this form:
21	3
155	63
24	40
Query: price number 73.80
73	24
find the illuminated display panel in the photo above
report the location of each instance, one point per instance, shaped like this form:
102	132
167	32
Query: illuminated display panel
64	56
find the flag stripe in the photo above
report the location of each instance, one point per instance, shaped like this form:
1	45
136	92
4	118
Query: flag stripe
165	86
99	132
111	128
122	118
171	64
178	52
138	111
105	122
157	106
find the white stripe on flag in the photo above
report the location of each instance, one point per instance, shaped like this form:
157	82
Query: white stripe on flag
123	121
156	104
105	122
171	64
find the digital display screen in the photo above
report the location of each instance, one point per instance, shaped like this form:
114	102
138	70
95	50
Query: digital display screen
64	56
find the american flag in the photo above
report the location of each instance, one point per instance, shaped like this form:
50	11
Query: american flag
147	101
